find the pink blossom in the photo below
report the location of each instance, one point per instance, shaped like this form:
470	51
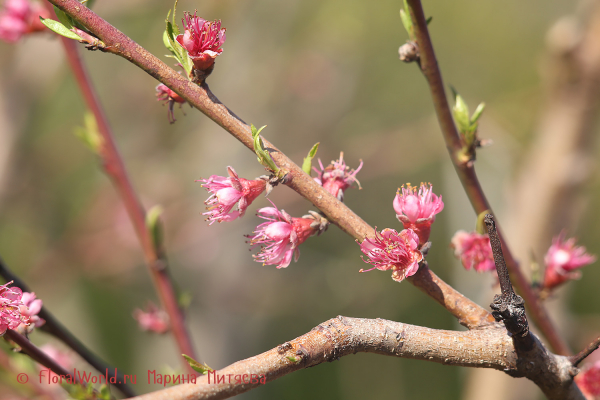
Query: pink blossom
474	251
588	381
30	309
417	209
392	250
169	97
20	17
202	39
337	177
226	192
562	259
153	319
10	308
280	236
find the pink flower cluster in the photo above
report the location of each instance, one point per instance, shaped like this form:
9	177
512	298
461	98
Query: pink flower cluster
474	251
417	208
11	306
30	309
337	177
20	17
280	236
202	39
226	192
390	250
562	260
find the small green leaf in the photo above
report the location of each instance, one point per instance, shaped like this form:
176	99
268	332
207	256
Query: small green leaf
307	164
293	359
167	42
259	148
59	28
196	366
154	226
89	133
104	393
461	114
429	20
406	21
66	20
175	27
184	300
480	227
477	113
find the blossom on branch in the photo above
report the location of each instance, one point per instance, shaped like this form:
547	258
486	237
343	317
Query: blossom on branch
416	209
10	308
202	39
281	235
337	177
474	250
226	192
169	97
588	381
562	260
30	309
152	320
20	17
392	250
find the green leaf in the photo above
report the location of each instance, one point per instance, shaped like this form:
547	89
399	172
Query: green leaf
167	42
178	51
66	20
89	133
259	148
196	366
307	164
59	28
175	27
406	21
477	113
154	226
429	20
293	359
461	114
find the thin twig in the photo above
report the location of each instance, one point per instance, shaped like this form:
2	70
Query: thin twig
37	355
467	174
204	100
579	357
115	169
56	329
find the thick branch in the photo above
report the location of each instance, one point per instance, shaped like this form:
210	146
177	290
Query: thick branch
466	172
202	98
115	168
342	336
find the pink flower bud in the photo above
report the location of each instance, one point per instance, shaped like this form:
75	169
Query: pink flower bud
153	319
562	259
417	209
337	177
280	236
226	192
169	97
202	39
588	381
474	251
392	250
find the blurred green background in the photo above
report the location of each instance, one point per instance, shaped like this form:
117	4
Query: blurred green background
324	71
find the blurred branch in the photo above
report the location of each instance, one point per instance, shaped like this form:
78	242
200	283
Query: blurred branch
56	329
204	100
115	169
342	336
546	196
466	172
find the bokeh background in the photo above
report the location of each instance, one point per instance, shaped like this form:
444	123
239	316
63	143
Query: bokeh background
314	71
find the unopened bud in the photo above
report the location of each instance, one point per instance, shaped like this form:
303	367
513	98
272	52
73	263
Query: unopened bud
409	52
